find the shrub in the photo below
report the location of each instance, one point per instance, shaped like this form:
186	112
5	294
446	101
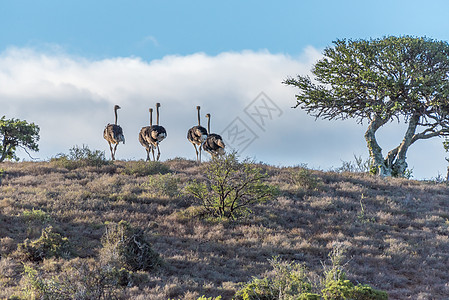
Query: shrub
79	280
37	215
163	185
337	287
2	173
33	286
304	179
81	157
288	282
126	247
50	244
231	187
359	165
344	289
145	168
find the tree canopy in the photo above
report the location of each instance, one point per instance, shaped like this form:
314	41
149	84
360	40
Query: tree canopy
380	80
17	133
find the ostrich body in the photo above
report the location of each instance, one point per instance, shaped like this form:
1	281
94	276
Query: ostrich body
197	135
214	144
113	134
144	132
152	135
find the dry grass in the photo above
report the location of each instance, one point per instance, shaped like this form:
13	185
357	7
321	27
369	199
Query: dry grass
395	231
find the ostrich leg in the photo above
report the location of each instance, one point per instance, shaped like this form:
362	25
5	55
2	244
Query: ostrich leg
194	146
110	148
115	149
158	152
152	151
148	153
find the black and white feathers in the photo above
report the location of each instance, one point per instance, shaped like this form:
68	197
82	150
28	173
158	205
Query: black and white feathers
113	134
214	144
151	136
197	135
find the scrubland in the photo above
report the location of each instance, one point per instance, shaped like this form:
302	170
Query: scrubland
394	232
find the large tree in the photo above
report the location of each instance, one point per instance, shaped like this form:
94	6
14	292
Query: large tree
380	80
17	133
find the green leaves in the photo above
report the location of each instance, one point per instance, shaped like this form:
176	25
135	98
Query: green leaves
230	187
380	80
17	133
390	77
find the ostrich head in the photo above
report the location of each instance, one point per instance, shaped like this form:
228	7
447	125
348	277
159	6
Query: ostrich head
198	109
157	112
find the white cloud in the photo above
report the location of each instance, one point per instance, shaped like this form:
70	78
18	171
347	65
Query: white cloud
72	98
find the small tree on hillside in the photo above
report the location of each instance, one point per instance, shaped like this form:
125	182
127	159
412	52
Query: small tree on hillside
231	187
16	133
380	80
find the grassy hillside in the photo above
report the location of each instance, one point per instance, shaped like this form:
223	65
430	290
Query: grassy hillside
394	231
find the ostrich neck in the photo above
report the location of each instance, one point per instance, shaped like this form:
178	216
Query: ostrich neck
115	111
151	118
199	123
157	115
208	125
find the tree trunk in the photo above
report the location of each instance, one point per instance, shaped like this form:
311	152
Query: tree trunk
395	162
400	165
6	149
375	151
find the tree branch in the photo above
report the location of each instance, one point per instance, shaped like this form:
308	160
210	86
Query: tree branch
424	135
26	151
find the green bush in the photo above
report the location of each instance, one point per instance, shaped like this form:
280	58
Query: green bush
37	215
365	292
288	282
231	187
337	286
126	247
81	157
50	244
145	168
344	289
163	185
337	289
79	280
304	179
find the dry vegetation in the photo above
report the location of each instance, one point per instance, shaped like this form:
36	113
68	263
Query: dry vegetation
394	231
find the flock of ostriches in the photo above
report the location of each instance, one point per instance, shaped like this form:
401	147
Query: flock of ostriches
151	136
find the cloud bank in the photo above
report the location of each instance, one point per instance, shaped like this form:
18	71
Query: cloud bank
72	98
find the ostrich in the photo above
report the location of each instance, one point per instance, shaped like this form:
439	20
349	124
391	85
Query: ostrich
113	133
214	144
144	132
154	134
197	136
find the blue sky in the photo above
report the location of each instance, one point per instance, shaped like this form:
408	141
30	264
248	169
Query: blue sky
64	64
153	29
